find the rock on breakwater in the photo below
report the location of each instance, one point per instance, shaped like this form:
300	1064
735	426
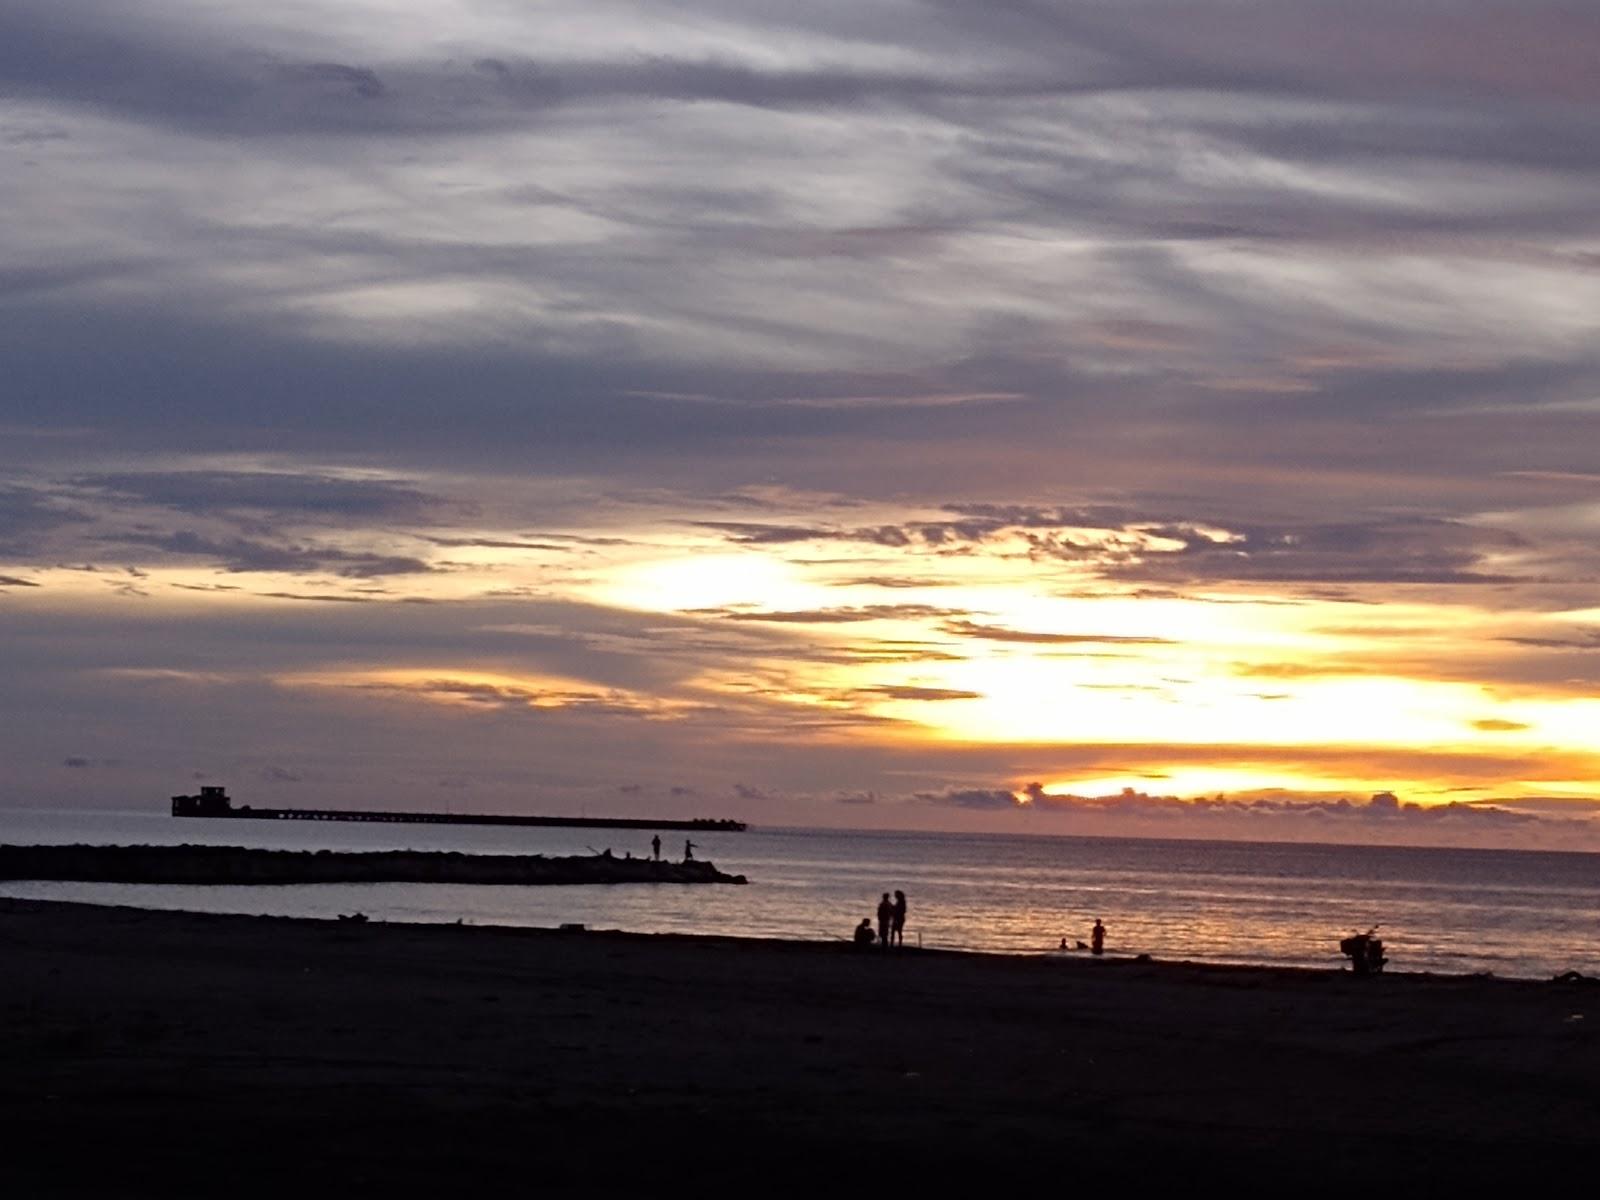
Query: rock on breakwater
239	865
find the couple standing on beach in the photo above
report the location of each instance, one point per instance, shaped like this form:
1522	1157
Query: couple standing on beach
892	920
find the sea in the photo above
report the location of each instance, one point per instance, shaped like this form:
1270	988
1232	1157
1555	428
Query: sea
1515	913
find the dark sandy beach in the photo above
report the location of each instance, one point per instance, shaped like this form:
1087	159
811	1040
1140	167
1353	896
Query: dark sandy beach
151	1054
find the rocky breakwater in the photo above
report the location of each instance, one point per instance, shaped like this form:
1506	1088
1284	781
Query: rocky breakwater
239	865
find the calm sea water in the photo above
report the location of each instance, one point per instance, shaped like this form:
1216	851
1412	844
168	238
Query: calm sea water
1523	913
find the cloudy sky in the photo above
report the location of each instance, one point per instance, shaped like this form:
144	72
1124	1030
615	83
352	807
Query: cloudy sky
919	413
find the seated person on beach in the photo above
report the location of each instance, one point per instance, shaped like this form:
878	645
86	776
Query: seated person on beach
864	934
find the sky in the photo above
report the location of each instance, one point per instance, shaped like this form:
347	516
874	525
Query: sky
1178	419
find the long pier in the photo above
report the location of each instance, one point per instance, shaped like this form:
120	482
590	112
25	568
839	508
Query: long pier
214	802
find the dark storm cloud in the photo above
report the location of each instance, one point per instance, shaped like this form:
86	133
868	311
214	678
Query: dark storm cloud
909	692
957	531
29	515
1461	132
1379	550
496	543
982	799
264	492
529	700
240	554
79	762
690	644
888	651
1178	547
101	58
1578	641
991	517
1550	805
215	380
752	533
323	597
832	616
749	533
97	54
892	582
856	798
996	633
229	86
649	657
753	712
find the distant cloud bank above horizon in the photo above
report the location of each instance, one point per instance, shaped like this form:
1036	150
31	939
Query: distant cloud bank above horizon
912	414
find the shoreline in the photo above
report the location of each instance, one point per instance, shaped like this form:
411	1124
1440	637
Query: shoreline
1216	903
1337	966
201	1053
838	945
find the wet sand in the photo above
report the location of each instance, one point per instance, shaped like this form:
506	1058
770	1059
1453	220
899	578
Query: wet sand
149	1053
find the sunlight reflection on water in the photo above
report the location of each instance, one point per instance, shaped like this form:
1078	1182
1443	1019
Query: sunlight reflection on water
1511	912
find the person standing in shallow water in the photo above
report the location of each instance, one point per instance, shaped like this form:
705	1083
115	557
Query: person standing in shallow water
655	846
1097	938
885	920
897	919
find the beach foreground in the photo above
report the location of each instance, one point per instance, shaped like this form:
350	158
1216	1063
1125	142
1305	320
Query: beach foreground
151	1053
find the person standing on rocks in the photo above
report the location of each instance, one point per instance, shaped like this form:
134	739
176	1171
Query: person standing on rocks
655	846
897	919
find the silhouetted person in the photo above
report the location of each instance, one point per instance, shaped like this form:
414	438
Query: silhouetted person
655	846
885	920
1097	938
864	935
1063	945
897	919
688	850
1365	952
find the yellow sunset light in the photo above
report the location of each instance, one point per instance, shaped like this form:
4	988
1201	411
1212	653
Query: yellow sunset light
1189	782
709	580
